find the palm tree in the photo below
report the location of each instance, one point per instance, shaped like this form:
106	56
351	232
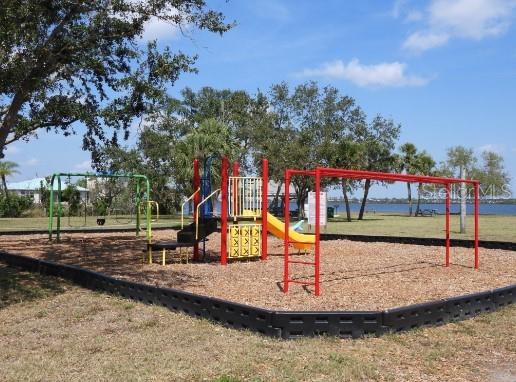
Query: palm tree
408	165
7	168
463	159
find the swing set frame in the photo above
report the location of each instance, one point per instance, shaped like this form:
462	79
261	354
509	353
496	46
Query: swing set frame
57	176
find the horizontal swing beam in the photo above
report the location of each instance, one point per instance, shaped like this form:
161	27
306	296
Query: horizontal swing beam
374	175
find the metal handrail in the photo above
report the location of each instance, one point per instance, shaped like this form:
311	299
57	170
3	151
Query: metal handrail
197	212
186	201
149	205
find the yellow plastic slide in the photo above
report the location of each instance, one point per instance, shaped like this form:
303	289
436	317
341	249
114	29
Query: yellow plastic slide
299	241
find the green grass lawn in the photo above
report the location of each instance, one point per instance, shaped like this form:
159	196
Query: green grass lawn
52	330
492	227
7	224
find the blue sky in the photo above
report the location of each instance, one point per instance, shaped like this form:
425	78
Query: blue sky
444	69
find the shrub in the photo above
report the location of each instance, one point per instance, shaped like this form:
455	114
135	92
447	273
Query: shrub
14	205
73	197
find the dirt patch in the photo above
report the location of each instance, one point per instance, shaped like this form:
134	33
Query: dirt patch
354	275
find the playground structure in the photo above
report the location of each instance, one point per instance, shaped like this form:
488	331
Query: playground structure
243	216
141	207
323	172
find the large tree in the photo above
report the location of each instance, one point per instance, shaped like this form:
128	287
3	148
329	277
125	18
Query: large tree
68	61
492	175
347	154
166	145
378	139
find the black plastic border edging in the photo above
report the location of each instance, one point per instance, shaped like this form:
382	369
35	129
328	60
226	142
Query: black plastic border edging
281	324
489	244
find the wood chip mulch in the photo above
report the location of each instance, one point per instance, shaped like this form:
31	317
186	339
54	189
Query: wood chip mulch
354	275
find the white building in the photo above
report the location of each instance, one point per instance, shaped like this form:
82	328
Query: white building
32	188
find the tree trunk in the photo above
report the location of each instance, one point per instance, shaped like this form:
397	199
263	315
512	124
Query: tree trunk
409	195
274	204
4	186
463	196
367	186
346	200
418	198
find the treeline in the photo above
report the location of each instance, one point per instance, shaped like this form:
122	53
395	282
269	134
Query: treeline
301	127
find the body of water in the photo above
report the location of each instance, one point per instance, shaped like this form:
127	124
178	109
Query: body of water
485	208
488	209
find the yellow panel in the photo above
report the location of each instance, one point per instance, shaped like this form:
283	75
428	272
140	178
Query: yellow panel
245	240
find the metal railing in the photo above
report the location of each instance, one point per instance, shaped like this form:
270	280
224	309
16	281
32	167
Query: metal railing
245	196
183	205
197	212
151	203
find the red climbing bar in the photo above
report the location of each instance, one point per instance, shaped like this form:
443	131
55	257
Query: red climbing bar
317	229
447	224
476	187
265	203
286	214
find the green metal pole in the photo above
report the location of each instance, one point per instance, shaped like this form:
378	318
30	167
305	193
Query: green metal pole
51	208
137	206
148	210
59	209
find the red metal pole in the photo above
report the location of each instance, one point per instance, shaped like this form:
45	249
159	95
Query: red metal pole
265	191
224	212
196	201
317	229
447	224
476	186
285	237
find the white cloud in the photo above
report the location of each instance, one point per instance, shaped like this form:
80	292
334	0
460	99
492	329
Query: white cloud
31	162
470	19
11	149
83	166
157	29
387	74
421	41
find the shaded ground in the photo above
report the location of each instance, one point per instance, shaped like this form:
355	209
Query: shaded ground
79	335
355	276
